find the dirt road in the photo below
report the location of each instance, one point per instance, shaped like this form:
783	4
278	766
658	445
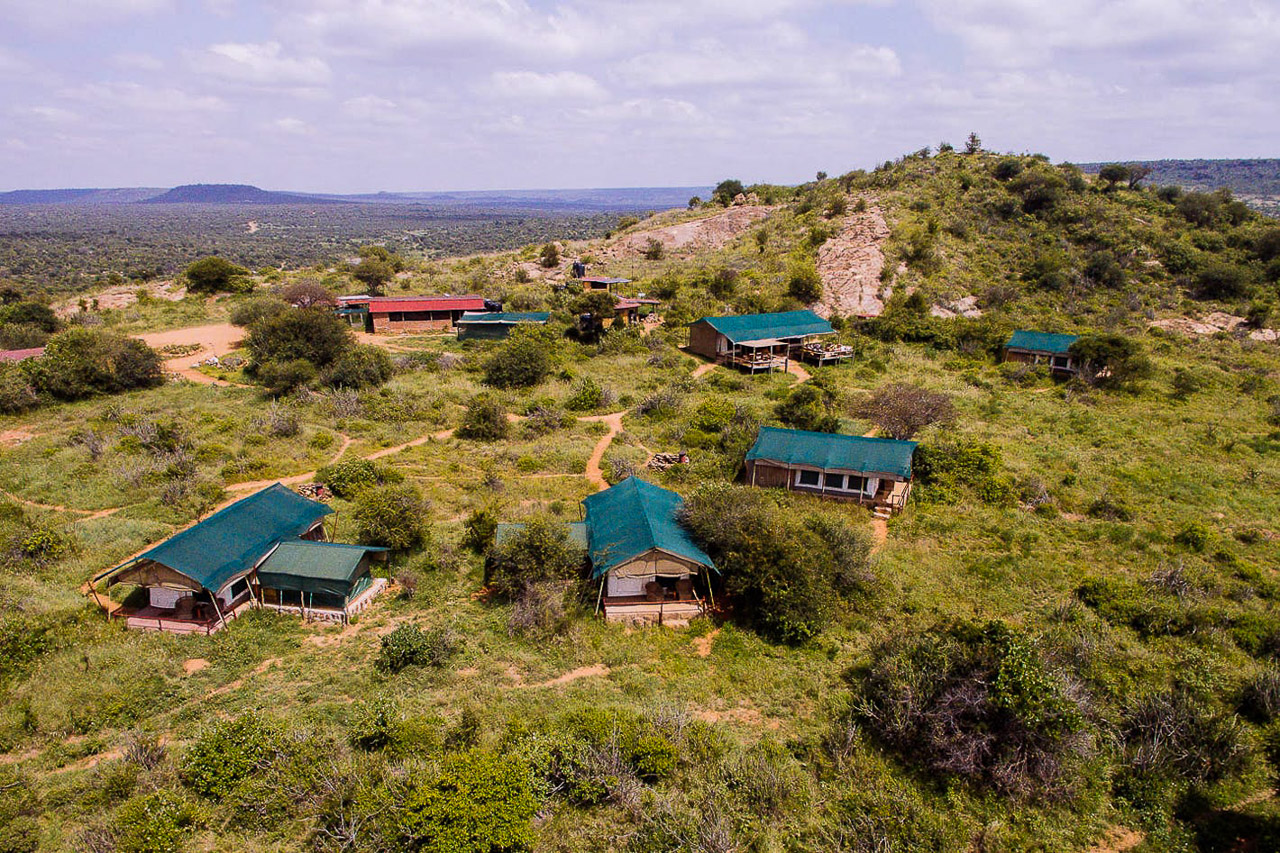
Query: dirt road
216	339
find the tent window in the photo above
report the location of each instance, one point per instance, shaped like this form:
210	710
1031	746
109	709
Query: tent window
834	481
807	478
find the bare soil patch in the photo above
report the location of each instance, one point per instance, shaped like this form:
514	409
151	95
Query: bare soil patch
710	232
216	339
122	296
572	675
193	665
850	264
702	645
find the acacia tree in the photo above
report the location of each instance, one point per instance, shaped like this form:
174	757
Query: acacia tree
1113	173
902	410
214	274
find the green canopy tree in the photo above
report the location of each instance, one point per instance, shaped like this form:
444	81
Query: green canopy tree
215	275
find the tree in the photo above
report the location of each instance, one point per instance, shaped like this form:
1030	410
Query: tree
973	145
600	304
476	802
314	334
653	249
1222	280
1040	190
307	293
82	361
1113	173
34	314
549	256
726	191
811	406
214	275
1109	360
541	551
695	202
485	420
1007	168
382	253
1103	269
374	273
363	366
255	308
523	361
902	410
1199	208
393	516
1137	174
804	282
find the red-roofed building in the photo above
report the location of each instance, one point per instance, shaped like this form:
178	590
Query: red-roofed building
405	314
21	354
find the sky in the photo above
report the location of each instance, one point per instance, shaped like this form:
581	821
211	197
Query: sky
403	95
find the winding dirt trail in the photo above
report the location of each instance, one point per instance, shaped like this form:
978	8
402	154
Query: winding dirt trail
85	514
797	370
594	474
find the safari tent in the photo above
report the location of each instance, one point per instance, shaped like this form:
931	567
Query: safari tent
756	342
871	471
495	325
203	577
1048	348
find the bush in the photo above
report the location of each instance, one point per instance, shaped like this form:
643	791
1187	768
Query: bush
283	377
1007	168
408	645
523	360
256	309
392	516
349	477
35	315
782	584
587	396
1222	281
374	723
979	702
227	752
549	256
476	802
158	822
1260	700
804	283
1177	737
1195	535
539	611
307	293
485	420
1104	270
363	366
541	551
81	361
810	406
1110	361
313	334
214	275
902	410
653	250
17	389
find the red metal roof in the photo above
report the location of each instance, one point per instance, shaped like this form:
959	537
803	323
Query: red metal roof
387	304
21	354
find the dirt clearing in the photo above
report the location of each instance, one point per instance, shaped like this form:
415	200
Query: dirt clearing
710	232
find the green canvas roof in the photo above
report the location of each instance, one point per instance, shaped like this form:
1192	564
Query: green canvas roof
231	541
504	317
756	327
1041	341
828	451
633	518
507	530
316	567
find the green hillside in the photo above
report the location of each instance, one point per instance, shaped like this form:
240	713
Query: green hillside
1067	640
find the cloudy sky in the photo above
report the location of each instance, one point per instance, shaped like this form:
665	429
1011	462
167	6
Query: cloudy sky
366	95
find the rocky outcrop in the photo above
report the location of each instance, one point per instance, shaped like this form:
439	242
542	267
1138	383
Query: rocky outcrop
850	265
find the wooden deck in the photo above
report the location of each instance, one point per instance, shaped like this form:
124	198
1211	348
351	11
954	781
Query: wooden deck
638	610
161	619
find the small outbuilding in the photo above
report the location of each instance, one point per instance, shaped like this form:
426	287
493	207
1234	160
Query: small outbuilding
496	325
647	566
600	283
756	342
872	471
1050	348
203	577
407	314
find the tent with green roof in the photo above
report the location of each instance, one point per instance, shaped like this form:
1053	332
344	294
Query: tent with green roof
225	546
633	521
1053	343
875	471
329	573
494	325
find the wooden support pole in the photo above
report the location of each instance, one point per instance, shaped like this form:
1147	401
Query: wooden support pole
216	609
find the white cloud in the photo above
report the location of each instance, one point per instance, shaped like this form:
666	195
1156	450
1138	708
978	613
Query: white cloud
262	64
292	126
57	15
114	97
553	86
54	115
374	109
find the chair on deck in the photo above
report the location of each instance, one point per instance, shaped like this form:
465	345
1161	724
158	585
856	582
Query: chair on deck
653	591
684	589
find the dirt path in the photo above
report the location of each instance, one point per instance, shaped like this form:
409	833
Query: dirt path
1118	840
797	370
702	645
216	339
703	369
85	514
594	474
850	265
572	675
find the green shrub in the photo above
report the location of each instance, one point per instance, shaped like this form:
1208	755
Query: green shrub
475	803
82	361
1260	699
804	283
227	752
311	334
980	702
523	360
348	477
214	274
1180	738
408	645
1195	535
158	822
255	309
374	724
587	396
284	377
18	392
810	407
393	516
541	551
653	758
364	366
1110	360
484	420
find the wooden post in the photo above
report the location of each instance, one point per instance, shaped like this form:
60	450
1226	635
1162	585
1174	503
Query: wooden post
600	597
711	596
216	609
